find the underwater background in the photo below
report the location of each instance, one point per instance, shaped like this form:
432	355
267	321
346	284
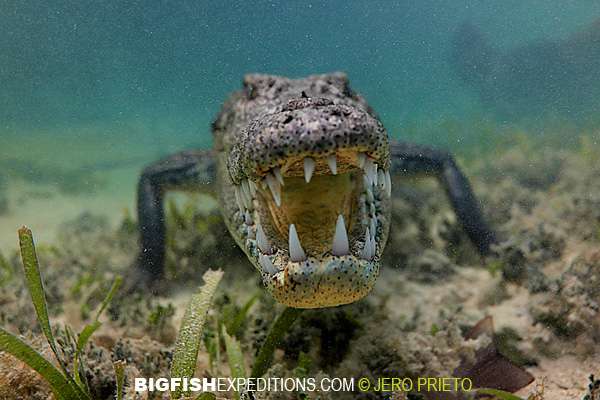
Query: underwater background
90	92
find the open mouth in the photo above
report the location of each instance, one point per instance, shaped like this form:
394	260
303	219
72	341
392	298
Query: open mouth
315	226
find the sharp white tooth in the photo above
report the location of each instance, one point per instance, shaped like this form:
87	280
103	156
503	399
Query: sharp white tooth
366	251
373	225
332	162
296	251
274	187
247	203
277	173
381	179
247	218
362	157
309	168
246	190
245	194
373	246
253	188
374	174
371	172
373	210
261	240
267	264
340	238
238	198
388	183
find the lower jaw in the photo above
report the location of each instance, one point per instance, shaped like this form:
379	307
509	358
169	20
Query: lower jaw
329	281
317	284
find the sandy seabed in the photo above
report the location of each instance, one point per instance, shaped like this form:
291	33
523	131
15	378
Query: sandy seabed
541	285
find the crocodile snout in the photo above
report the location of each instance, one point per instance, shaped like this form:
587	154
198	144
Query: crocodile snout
313	188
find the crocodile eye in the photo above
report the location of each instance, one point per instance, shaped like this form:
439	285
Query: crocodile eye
251	84
250	92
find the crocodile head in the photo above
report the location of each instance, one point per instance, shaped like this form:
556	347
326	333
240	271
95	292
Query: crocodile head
307	186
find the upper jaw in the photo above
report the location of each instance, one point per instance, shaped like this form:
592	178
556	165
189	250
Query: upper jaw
316	130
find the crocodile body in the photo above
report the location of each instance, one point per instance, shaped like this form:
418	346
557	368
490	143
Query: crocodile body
303	171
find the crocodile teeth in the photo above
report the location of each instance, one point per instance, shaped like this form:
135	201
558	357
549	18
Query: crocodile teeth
372	245
277	173
309	168
247	218
388	183
374	174
274	187
246	189
238	198
296	251
340	238
367	252
362	157
371	172
253	188
261	240
381	179
332	162
373	225
245	194
267	264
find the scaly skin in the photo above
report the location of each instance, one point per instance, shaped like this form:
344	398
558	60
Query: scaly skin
303	170
265	132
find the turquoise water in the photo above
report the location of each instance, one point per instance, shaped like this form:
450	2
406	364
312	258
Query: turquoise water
114	85
167	66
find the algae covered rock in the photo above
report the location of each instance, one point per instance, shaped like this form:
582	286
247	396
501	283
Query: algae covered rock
388	352
572	308
430	267
526	251
423	220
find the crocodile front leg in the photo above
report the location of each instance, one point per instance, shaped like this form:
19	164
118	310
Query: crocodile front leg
415	159
187	170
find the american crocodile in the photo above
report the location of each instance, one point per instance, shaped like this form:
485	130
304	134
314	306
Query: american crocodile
303	170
